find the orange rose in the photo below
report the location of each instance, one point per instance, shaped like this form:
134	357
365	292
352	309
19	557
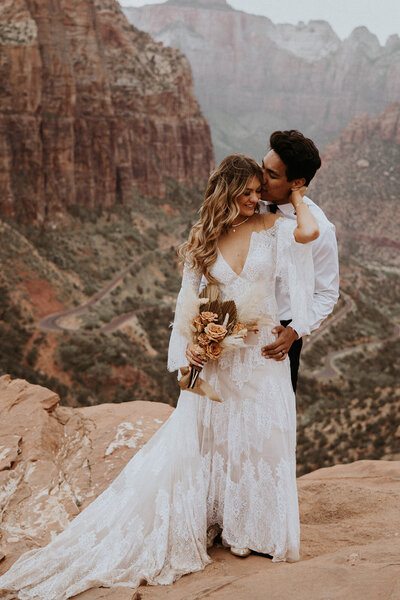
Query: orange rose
198	324
199	351
213	351
215	332
203	340
208	317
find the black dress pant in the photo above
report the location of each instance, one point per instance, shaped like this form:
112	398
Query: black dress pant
294	356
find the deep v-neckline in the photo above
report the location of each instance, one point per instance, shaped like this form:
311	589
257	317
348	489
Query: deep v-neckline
248	251
245	262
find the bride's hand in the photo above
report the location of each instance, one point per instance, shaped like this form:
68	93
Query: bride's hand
193	358
296	196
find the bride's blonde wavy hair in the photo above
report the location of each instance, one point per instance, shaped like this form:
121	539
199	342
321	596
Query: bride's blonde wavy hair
218	211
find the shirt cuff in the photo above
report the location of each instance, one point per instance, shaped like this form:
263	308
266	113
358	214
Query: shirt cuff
297	329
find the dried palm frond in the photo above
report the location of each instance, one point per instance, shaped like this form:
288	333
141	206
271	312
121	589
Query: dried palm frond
211	292
210	297
215	307
229	308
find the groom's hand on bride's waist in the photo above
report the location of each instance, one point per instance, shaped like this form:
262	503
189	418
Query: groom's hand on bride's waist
279	349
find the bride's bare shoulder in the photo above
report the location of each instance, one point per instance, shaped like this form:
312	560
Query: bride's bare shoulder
269	220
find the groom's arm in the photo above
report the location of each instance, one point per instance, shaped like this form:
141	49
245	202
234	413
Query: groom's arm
326	274
326	293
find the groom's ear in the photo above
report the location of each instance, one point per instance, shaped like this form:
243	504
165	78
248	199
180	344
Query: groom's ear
296	184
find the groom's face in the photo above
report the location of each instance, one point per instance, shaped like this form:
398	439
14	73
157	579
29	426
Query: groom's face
276	188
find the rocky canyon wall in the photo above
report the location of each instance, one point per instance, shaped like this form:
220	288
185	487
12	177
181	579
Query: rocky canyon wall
358	186
252	76
90	109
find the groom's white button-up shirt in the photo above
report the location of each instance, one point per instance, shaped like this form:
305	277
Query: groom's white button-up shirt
326	268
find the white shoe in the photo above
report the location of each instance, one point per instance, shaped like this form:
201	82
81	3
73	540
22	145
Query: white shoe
242	552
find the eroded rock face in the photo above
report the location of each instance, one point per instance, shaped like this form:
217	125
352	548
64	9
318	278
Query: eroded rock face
252	76
55	460
358	186
386	126
90	110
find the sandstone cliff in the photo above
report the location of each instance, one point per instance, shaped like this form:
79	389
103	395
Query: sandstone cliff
55	460
63	456
252	76
358	186
91	109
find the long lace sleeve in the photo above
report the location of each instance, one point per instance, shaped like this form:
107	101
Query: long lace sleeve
178	342
295	269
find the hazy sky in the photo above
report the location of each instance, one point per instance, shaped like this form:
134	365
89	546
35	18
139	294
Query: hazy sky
382	17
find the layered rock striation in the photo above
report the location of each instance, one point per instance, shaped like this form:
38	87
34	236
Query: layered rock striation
385	126
358	185
252	76
55	460
90	110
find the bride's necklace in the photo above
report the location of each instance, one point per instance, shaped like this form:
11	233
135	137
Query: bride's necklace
239	224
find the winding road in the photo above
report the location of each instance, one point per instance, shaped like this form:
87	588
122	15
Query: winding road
50	323
121	319
329	370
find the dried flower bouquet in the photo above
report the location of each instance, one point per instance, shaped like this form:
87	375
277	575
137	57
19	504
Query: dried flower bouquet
215	327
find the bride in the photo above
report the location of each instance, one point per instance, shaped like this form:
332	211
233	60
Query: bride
229	465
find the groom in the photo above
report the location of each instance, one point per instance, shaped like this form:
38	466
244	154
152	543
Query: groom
291	163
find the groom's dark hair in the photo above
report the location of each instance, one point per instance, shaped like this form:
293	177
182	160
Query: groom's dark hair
299	154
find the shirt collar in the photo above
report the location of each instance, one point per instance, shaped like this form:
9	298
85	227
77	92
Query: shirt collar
287	209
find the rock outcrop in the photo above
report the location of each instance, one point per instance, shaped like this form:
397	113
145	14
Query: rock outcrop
252	76
358	185
386	126
55	460
91	109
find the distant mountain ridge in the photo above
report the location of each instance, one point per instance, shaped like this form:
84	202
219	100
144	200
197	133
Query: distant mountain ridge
252	76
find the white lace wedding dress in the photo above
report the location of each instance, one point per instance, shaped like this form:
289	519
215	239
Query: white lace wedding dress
231	464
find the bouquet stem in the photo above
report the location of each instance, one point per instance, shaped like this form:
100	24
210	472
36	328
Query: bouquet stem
191	382
194	373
